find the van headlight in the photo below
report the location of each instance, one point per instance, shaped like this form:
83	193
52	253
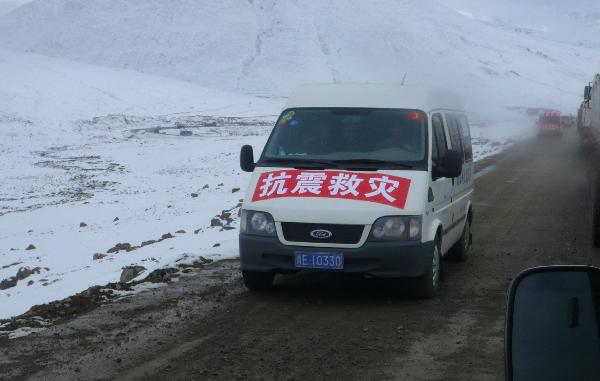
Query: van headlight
397	228
257	223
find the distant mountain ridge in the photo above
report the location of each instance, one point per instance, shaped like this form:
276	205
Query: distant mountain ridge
267	47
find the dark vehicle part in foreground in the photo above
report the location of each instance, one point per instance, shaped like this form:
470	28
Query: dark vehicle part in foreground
589	132
553	325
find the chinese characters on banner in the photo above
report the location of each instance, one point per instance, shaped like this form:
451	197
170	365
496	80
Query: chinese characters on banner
373	187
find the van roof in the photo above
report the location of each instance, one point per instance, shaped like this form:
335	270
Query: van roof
373	96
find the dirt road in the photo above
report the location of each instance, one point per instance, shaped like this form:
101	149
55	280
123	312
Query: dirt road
531	208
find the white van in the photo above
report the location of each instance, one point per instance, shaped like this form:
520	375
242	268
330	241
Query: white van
367	179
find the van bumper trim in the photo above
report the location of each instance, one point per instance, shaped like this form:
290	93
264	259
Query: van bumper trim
455	224
400	259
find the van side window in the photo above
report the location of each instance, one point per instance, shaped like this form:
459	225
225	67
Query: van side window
466	138
439	144
455	135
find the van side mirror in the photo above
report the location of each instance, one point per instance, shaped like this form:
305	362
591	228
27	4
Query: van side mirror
247	159
587	93
449	166
553	324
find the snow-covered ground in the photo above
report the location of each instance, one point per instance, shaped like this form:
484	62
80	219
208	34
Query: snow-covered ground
102	145
86	144
492	137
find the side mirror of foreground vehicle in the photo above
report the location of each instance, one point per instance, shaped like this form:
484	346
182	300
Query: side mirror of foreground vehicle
587	93
450	166
247	159
552	324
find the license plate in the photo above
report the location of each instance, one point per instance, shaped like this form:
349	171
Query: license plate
311	260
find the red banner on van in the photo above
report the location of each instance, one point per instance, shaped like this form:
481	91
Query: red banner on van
373	187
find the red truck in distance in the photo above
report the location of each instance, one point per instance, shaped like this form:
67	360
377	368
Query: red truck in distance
549	124
567	121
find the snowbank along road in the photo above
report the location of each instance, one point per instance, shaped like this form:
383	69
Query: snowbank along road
531	209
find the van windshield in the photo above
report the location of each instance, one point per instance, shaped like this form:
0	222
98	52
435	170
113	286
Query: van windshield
339	136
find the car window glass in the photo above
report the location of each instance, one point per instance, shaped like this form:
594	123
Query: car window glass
466	138
439	139
349	134
435	151
455	135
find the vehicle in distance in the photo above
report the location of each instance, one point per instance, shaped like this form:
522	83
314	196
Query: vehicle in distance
549	123
590	137
567	121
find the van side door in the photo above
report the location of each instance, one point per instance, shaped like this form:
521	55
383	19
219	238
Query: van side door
462	186
467	178
439	196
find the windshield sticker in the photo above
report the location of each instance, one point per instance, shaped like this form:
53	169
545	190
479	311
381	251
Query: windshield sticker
286	118
378	188
294	122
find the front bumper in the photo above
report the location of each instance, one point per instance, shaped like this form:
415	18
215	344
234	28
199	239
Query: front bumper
375	259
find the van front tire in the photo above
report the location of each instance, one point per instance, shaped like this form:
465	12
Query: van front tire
426	286
258	281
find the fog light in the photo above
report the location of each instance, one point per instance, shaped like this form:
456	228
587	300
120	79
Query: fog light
414	231
394	227
378	231
270	228
258	221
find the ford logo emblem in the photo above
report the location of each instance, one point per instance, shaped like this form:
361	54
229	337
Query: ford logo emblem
321	234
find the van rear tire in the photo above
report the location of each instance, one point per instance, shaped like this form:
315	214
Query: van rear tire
258	281
426	286
460	251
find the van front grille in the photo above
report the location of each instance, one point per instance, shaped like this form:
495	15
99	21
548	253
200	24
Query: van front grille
301	232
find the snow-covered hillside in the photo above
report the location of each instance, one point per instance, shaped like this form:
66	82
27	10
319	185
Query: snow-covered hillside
573	22
85	144
269	47
8	5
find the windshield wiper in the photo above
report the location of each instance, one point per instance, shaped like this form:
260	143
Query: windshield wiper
304	163
373	161
373	164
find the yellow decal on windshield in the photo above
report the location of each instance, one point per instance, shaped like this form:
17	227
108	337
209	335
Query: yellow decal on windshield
286	118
